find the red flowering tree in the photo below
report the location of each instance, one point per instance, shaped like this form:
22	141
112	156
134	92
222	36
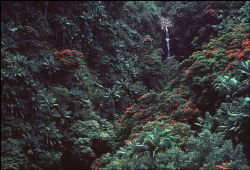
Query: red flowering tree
69	58
219	56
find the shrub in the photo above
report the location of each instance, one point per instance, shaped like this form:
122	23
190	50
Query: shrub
207	149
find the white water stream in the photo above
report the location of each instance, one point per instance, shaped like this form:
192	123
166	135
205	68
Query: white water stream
167	39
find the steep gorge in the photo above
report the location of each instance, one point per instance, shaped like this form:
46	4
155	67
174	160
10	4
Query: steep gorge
174	41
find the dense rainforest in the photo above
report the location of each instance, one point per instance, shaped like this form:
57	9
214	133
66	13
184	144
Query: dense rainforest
125	85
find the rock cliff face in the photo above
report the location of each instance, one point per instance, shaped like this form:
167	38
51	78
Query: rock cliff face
178	44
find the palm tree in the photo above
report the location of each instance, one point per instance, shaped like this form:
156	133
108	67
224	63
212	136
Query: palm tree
113	94
152	144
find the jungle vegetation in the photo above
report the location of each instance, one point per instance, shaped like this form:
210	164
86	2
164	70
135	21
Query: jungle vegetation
87	85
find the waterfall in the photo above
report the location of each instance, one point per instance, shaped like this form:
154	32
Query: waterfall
167	39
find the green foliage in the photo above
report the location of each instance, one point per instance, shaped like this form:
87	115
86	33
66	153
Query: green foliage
151	143
233	117
80	79
153	73
172	68
49	66
244	68
208	145
12	155
231	86
206	123
207	20
145	14
18	86
218	56
205	150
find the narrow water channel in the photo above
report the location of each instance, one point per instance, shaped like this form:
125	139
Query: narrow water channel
167	39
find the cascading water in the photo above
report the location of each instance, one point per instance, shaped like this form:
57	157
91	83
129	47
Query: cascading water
167	39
